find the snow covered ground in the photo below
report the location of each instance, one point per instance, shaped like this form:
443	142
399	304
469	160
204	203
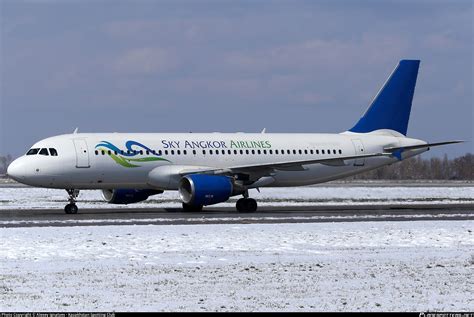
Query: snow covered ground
374	266
27	197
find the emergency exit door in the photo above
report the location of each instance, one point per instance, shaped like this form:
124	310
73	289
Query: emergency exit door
359	150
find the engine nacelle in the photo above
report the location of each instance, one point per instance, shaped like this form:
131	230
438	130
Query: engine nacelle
128	196
202	189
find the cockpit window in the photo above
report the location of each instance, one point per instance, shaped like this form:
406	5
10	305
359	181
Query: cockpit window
43	152
53	152
32	152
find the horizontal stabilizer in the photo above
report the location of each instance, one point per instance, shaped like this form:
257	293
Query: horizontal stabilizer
420	146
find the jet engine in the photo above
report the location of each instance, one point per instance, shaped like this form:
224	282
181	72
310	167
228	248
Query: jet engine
203	189
128	196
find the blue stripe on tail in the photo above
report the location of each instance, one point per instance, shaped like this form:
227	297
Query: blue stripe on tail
392	105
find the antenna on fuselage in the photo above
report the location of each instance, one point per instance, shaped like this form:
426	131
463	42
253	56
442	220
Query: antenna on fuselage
75	131
263	131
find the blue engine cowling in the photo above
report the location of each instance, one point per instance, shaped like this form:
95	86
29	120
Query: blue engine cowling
128	196
202	189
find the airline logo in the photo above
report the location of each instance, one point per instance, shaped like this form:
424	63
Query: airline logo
128	157
133	155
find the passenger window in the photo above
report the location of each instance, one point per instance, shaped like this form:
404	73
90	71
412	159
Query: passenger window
241	152
300	152
96	152
53	152
160	152
43	152
305	151
166	152
172	152
340	151
322	151
258	152
235	152
311	151
276	152
317	152
294	151
333	151
210	152
204	152
115	152
32	152
184	152
141	152
329	151
178	152
253	151
103	152
194	152
247	151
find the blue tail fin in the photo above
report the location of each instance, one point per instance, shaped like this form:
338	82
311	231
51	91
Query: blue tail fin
390	109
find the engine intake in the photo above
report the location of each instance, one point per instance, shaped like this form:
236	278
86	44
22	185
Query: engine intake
202	189
128	196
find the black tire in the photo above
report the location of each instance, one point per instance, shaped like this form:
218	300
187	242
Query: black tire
71	209
192	208
246	205
240	205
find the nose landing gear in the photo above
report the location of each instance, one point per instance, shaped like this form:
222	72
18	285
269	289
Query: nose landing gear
71	208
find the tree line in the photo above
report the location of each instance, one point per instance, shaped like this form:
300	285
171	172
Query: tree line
435	168
4	162
460	168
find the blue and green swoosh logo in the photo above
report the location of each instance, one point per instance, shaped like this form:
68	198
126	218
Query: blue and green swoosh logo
128	157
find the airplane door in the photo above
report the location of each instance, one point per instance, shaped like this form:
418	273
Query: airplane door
82	153
359	150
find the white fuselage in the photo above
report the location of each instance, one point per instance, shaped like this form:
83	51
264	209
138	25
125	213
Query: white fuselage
84	161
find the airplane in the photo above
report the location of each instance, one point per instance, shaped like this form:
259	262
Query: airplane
209	168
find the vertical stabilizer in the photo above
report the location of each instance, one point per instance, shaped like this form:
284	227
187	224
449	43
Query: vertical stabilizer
391	107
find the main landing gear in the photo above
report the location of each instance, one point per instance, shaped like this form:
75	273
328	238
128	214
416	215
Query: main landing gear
246	204
71	208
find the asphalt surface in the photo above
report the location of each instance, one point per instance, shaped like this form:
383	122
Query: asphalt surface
214	215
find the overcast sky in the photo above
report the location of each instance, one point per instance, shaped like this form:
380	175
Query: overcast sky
204	66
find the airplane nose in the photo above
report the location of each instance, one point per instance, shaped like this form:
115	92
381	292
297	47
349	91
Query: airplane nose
16	170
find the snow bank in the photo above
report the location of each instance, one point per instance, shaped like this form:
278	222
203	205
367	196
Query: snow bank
373	266
14	198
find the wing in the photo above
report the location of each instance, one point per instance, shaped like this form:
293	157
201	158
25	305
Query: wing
267	168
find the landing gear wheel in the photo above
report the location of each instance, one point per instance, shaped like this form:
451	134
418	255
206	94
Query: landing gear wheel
192	208
246	205
71	209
